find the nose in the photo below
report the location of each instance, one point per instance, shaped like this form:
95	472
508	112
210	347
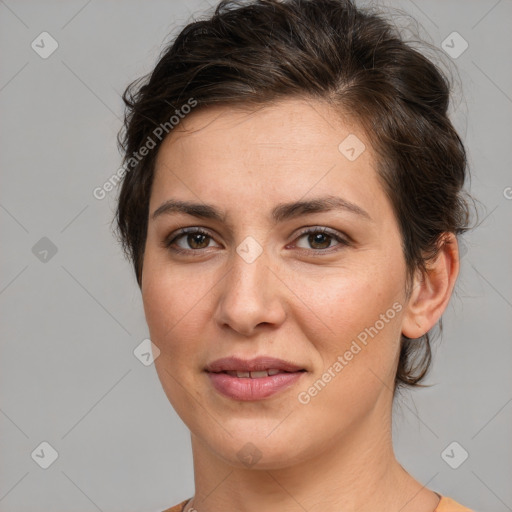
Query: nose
251	296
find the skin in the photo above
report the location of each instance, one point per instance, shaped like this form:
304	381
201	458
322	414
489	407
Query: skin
297	301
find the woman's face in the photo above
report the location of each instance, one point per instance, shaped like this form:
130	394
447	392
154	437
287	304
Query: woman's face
264	281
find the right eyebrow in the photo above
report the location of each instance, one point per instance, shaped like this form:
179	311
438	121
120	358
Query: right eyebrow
201	210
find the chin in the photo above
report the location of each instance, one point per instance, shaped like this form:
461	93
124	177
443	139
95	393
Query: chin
256	449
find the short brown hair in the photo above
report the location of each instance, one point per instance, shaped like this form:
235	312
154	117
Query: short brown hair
262	50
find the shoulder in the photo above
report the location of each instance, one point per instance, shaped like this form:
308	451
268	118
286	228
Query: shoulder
177	508
448	505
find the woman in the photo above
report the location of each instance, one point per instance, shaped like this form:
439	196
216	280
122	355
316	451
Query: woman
292	196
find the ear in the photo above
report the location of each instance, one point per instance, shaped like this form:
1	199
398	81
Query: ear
431	290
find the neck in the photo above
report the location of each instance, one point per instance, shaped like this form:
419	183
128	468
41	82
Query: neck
354	473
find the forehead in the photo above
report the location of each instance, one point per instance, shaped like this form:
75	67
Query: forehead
278	151
295	124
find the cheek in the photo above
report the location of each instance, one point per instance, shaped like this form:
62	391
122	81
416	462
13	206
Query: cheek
359	349
354	323
174	305
347	300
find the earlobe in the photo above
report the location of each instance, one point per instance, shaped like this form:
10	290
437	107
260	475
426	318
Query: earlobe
431	290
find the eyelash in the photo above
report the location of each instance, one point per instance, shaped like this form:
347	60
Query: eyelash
173	237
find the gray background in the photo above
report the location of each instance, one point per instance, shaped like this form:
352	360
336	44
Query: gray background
70	324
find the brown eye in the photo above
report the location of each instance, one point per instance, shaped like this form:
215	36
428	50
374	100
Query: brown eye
196	240
188	240
320	239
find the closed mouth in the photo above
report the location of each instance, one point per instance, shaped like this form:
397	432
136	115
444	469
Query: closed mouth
258	367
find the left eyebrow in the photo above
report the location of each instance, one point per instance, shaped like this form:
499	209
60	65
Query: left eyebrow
282	212
287	211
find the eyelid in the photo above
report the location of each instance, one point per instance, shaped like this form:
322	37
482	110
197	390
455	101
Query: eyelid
172	237
341	238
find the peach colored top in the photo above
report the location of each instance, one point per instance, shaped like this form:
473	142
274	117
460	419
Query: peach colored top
445	505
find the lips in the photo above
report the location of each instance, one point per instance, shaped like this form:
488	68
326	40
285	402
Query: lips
258	364
253	379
